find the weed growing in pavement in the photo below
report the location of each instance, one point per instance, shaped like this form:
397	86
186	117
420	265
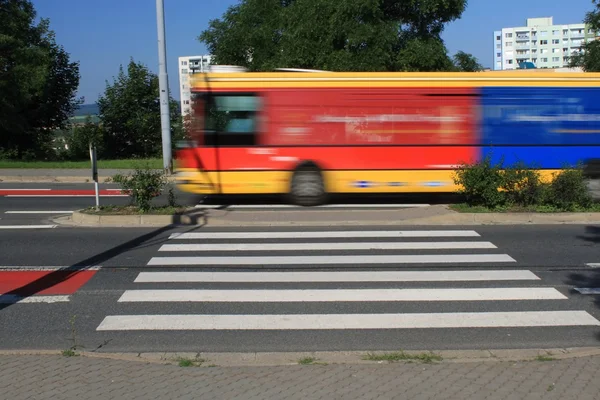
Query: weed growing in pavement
189	362
426	358
69	353
544	358
310	361
72	350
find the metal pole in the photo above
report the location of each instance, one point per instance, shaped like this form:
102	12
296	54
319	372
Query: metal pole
163	88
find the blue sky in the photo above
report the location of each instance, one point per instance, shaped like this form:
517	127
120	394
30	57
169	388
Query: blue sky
101	35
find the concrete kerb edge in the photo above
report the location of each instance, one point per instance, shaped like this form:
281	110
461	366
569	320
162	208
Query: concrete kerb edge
82	219
321	358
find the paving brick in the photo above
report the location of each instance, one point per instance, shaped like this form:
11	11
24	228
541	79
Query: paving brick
47	377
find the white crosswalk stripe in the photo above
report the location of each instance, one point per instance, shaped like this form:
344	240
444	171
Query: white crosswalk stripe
377	261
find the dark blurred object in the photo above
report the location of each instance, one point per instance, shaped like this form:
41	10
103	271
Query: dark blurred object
591	172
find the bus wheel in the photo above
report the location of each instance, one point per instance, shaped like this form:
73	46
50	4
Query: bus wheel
307	187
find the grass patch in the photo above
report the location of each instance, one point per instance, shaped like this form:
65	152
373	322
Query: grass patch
426	358
542	208
188	362
133	210
544	358
154	163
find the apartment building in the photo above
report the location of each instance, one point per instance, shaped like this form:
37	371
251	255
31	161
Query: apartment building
540	42
187	66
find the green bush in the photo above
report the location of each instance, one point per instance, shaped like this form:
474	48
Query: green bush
568	190
480	182
143	185
522	185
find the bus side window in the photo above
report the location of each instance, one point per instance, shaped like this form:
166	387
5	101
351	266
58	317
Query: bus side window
231	120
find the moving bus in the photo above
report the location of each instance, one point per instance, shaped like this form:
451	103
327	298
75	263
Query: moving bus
310	133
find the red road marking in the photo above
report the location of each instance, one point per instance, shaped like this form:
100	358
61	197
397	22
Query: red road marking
46	193
29	283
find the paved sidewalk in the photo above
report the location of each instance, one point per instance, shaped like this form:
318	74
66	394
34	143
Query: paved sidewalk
57	377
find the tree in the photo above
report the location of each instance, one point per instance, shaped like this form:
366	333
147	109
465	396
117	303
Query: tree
349	35
130	114
465	62
38	82
79	138
588	58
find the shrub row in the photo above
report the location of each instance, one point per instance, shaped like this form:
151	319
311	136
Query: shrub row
497	186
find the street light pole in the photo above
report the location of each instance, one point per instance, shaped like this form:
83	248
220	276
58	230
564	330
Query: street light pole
163	84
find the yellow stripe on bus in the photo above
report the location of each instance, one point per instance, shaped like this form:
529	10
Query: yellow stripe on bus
357	181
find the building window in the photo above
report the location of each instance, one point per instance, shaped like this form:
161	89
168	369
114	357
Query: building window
498	37
565	32
555	41
509	61
184	63
555	33
544	59
498	54
184	70
543	33
508	35
543	51
543	42
498	46
555	59
508	44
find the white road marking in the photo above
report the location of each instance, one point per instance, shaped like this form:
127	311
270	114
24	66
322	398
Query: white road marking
40	212
336	276
280	206
27	226
347	321
315	260
322	234
47	268
341	295
593	265
13	299
588	290
327	246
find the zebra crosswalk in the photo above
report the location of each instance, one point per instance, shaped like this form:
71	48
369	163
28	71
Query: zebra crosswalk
365	270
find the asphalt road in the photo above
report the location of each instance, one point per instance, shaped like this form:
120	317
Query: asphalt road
527	275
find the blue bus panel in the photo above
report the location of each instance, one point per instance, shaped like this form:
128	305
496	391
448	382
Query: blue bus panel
548	127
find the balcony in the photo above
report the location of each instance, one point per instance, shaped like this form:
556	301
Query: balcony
521	38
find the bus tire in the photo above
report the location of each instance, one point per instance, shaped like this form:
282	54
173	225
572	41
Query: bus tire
307	187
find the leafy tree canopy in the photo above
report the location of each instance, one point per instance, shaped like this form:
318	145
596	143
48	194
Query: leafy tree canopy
349	35
589	56
38	82
130	114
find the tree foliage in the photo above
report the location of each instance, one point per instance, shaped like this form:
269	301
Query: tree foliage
588	58
38	82
465	62
349	35
130	114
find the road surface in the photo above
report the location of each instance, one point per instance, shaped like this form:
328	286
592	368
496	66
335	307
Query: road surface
275	289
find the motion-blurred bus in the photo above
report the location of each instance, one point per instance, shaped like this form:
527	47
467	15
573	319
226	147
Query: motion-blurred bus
307	134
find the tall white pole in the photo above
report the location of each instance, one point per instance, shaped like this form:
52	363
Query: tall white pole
163	84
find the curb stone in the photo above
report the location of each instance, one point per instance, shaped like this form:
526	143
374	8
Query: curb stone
321	358
227	218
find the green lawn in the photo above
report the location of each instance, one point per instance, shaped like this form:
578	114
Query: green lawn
102	164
